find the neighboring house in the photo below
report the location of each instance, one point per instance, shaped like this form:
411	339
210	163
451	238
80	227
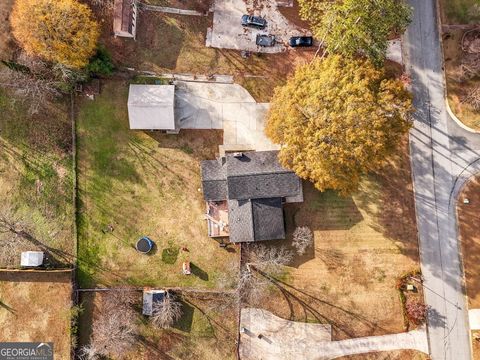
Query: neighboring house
125	18
245	193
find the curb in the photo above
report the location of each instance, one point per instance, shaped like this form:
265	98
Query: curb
447	104
456	119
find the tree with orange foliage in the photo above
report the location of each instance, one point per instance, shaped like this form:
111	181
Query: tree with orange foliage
59	31
338	119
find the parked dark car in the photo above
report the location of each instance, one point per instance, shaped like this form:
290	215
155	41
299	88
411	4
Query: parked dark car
301	41
265	40
254	21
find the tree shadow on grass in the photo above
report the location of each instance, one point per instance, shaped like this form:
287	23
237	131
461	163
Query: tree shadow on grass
8	308
387	197
312	306
201	274
185	322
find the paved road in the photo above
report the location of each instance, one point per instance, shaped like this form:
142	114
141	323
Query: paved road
444	156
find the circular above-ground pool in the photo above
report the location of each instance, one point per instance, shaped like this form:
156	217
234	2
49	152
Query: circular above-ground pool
144	245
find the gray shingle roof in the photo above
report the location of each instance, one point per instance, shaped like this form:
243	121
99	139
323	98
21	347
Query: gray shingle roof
263	186
268	221
253	185
254	163
214	181
256	220
240	221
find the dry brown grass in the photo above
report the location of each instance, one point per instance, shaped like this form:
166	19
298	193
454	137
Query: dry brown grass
470	239
6	39
176	44
456	87
476	344
36	307
203	332
470	245
362	245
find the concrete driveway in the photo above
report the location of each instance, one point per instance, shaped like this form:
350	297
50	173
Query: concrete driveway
289	340
202	105
228	33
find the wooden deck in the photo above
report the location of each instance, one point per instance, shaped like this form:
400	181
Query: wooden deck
217	218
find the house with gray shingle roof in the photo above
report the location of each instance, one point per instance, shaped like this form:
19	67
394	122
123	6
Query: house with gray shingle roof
245	193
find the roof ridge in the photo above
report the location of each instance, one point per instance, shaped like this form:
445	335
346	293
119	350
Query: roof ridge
264	173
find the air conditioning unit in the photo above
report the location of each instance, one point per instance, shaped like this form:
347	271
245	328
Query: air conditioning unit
237	155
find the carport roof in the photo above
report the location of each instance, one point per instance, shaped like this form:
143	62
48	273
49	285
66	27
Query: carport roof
151	107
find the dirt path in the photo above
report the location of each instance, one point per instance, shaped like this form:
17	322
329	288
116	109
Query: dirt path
266	336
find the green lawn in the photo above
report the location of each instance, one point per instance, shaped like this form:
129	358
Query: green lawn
36	175
142	184
461	11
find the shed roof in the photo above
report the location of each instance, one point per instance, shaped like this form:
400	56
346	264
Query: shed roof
31	258
151	107
149	298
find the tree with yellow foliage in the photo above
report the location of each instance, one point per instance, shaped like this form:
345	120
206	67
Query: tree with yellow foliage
338	119
59	31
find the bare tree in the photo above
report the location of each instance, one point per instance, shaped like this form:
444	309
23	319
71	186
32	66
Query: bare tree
470	66
263	262
166	312
252	286
115	330
36	90
269	259
302	239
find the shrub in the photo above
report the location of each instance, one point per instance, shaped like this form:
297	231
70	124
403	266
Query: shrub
100	63
416	311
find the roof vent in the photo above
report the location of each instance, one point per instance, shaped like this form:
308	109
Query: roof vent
237	155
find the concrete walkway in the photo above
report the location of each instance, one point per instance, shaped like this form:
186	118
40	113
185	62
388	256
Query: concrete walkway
444	156
474	319
170	10
288	340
